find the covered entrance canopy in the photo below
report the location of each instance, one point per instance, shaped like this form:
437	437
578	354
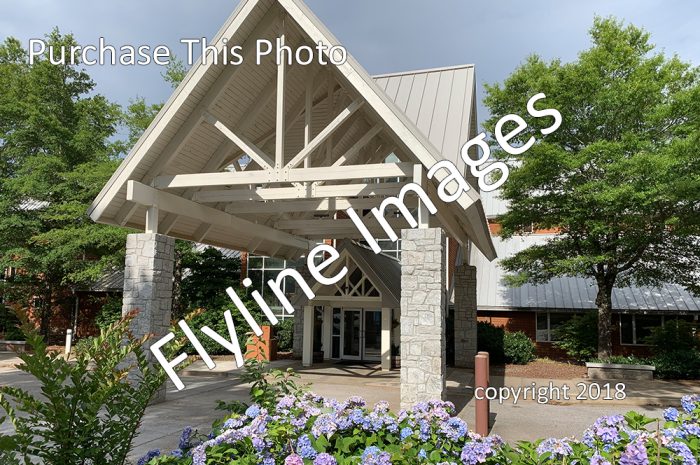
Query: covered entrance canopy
259	158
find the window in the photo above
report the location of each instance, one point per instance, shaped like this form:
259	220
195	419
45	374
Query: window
634	329
548	322
261	270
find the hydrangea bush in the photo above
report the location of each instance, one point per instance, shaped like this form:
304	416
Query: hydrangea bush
311	430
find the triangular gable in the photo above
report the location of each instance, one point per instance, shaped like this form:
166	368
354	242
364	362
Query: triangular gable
370	276
192	135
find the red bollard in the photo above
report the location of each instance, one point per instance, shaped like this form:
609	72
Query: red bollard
481	382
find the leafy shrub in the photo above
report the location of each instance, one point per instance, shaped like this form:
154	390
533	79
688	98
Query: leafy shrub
518	348
578	337
89	409
311	430
110	313
677	364
9	325
674	336
215	320
489	338
284	332
624	360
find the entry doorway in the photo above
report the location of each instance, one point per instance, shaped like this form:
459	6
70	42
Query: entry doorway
361	334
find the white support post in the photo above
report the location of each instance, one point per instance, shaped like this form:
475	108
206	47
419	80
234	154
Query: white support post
329	144
152	219
327	332
386	339
308	111
423	213
307	355
279	121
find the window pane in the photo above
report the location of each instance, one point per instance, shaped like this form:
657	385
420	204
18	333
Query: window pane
336	322
277	263
256	276
255	262
542	334
645	324
626	336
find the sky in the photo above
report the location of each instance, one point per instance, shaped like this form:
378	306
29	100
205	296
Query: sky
384	36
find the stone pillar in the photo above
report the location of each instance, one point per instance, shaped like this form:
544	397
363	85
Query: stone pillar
148	287
422	315
307	357
465	316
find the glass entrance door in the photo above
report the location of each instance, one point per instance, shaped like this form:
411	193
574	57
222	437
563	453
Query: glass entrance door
352	334
361	334
372	335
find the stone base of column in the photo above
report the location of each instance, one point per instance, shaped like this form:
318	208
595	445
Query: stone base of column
465	316
148	287
422	315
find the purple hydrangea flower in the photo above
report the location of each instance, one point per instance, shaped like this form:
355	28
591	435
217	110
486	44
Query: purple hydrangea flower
293	459
177	453
454	429
324	425
635	454
598	459
185	438
476	452
325	459
231	423
406	432
149	456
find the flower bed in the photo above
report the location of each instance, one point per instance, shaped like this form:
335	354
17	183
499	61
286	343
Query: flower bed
311	430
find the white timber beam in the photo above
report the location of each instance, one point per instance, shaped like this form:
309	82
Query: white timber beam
202	232
279	114
214	94
151	219
349	156
292	193
146	195
337	173
331	225
331	204
125	213
249	148
324	134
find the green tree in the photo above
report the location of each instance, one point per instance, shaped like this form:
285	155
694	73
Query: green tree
55	155
620	178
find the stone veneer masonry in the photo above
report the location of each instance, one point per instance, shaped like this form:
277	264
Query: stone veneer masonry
298	341
422	315
465	316
148	287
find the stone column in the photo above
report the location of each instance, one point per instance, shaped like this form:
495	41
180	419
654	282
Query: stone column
465	316
298	340
148	287
422	315
307	356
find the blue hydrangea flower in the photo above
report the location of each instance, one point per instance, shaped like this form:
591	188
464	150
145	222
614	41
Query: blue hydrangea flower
556	448
683	452
454	428
149	456
422	454
324	426
406	432
671	414
325	459
253	411
689	402
375	456
231	423
177	453
304	447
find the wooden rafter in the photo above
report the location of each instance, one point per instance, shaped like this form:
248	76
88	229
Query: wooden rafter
331	204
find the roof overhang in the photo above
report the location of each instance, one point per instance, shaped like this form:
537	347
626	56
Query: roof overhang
260	157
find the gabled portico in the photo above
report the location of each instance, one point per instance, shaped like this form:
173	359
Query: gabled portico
261	158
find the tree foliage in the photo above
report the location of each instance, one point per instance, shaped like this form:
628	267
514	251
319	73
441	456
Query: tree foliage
55	155
620	178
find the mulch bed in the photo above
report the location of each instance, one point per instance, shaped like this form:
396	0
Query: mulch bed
542	368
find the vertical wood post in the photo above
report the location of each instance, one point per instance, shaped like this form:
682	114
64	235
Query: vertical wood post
481	382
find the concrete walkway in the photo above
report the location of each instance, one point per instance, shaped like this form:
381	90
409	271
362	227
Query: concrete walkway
524	419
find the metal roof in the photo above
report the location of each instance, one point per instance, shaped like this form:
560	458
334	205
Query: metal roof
566	293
